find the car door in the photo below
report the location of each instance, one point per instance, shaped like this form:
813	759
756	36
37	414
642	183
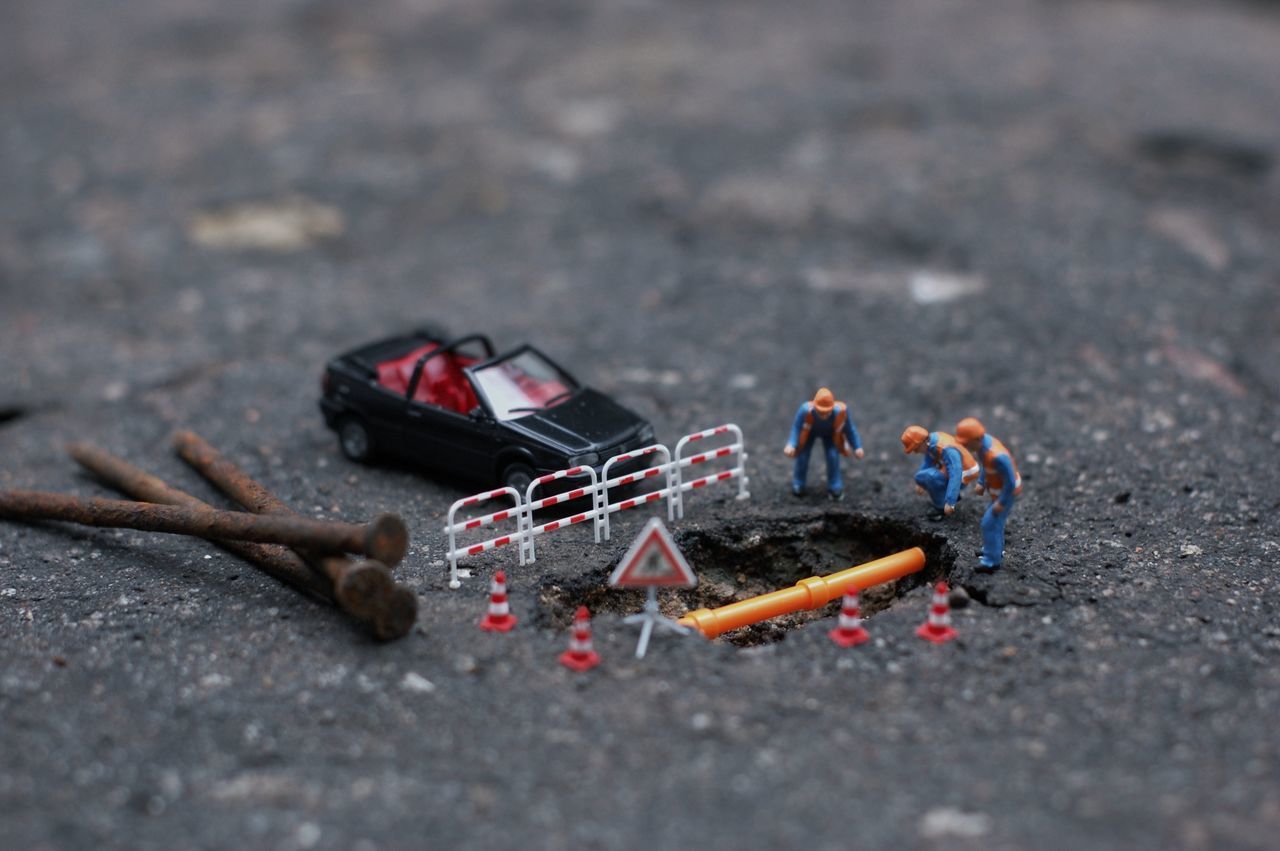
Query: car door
457	443
381	409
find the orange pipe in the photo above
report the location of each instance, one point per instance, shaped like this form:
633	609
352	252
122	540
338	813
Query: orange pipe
811	593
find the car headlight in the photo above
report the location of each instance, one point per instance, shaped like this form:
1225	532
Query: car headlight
589	460
646	436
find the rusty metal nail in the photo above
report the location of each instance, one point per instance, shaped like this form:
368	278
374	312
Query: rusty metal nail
212	524
387	539
363	589
275	561
365	586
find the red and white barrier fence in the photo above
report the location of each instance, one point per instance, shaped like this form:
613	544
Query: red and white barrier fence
738	471
666	469
452	529
670	473
529	531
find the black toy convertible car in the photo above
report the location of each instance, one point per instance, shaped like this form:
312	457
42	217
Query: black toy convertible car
457	407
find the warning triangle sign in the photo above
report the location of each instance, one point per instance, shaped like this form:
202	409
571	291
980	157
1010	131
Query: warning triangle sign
653	559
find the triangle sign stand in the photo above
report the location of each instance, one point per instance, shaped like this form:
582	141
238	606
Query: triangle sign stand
652	561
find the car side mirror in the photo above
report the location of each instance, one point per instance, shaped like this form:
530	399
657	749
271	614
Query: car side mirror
477	413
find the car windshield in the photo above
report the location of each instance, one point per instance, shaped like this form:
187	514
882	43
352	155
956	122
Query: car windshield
522	384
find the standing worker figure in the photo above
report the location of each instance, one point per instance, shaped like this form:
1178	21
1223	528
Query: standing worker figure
827	420
947	466
999	477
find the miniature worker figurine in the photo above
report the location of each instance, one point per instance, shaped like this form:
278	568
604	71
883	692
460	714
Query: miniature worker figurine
827	420
999	477
947	466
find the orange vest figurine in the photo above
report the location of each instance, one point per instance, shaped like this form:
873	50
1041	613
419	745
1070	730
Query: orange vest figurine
991	473
1001	478
943	442
941	482
827	421
841	414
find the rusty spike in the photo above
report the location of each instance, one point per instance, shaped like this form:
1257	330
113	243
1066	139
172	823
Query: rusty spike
275	561
210	524
389	535
367	576
366	586
367	589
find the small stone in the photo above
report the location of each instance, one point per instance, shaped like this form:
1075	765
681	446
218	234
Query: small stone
942	822
287	225
417	683
938	287
307	835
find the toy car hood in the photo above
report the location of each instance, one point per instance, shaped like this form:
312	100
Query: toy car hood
586	422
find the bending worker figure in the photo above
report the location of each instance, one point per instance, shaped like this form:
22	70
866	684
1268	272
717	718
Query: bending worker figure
947	466
827	420
999	477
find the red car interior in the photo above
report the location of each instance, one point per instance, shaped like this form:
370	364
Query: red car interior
539	392
443	382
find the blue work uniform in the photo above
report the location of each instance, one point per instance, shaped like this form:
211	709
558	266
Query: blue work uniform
833	441
999	472
947	467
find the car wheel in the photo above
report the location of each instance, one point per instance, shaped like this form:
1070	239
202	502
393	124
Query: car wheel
355	440
518	476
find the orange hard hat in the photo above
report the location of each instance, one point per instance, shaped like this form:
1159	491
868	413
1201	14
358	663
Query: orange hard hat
913	437
969	429
823	401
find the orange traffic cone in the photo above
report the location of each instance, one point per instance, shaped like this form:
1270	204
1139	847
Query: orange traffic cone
849	631
938	626
499	617
580	656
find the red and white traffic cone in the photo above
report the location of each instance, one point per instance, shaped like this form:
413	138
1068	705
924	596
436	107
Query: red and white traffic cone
499	617
938	627
580	656
849	631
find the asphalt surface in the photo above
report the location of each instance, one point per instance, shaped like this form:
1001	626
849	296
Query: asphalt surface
1060	217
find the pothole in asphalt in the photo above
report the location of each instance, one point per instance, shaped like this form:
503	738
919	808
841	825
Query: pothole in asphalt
739	561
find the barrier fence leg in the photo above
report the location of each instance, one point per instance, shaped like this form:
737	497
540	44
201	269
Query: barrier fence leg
677	488
602	506
673	490
454	583
525	524
743	493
